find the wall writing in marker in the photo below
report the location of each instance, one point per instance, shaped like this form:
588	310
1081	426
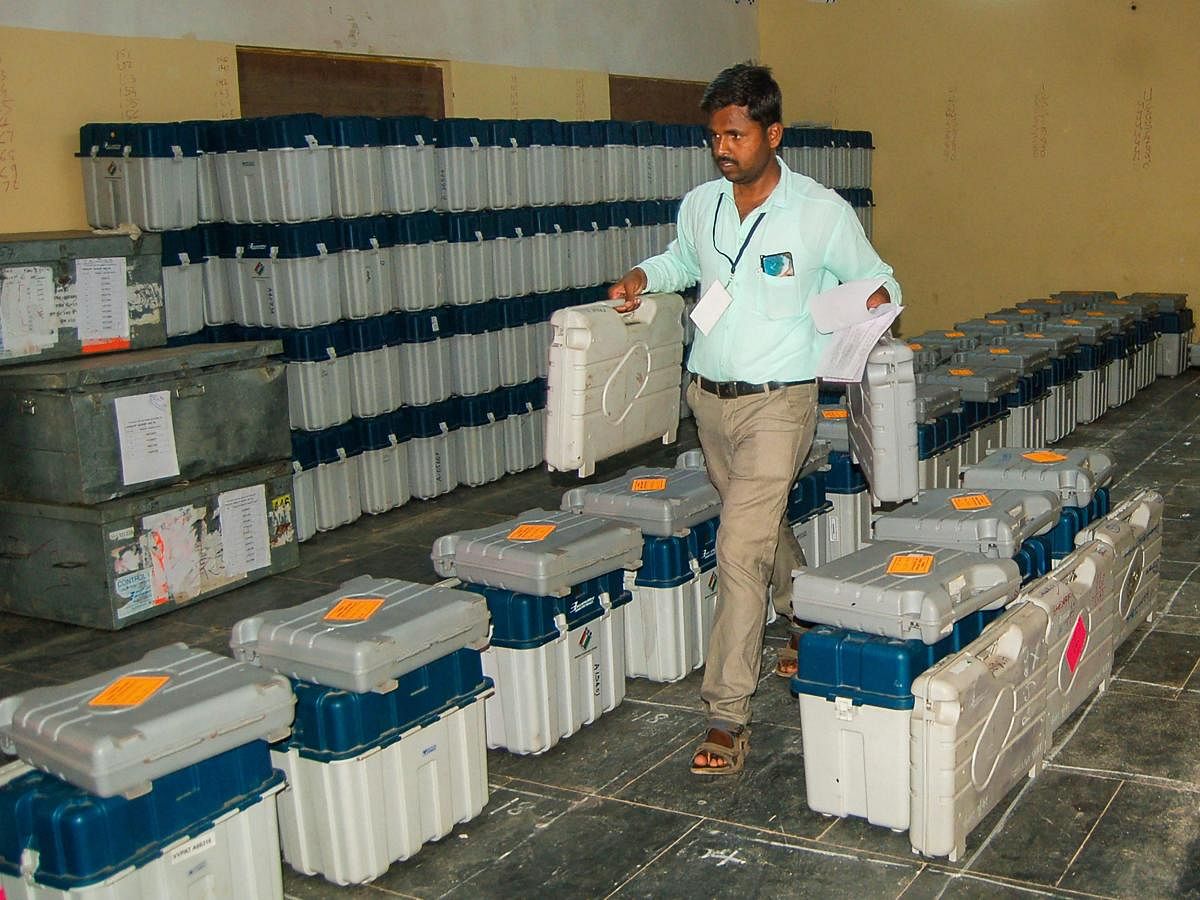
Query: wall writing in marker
127	88
10	181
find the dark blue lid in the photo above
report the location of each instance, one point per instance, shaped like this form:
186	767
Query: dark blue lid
617	133
299	241
427	421
353	131
358	234
417	228
295	131
545	133
515	312
461	133
381	432
648	134
312	448
806	497
333	724
107	137
666	562
535	393
587	216
175	243
159	140
844	476
425	325
580	134
523	621
482	409
81	839
470	227
407	131
545	218
365	335
477	318
315	344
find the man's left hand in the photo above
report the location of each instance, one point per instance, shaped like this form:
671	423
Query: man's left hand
878	298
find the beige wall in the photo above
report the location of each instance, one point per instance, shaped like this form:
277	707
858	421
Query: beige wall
508	92
1023	146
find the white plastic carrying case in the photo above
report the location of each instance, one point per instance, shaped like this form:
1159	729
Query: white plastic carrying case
1134	530
978	726
388	747
613	380
883	421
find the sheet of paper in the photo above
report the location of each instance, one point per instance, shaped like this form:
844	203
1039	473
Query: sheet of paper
103	297
844	305
245	544
711	307
170	542
146	436
28	322
845	355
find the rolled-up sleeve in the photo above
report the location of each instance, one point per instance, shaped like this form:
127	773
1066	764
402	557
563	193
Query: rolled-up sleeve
850	256
677	267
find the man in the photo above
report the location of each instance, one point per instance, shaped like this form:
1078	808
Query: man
772	239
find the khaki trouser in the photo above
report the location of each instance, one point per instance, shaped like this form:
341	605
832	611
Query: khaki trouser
753	447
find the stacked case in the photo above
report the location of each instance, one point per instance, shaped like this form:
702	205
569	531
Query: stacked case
388	749
145	768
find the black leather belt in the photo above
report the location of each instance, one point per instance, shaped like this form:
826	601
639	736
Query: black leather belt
729	390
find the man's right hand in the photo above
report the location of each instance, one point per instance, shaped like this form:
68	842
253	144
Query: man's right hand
629	289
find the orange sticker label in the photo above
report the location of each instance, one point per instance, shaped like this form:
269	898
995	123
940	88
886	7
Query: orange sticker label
1072	321
130	690
1043	456
1096	313
534	531
915	347
1034	334
1120	302
955	333
910	564
1027	312
962	372
354	609
997	321
999	351
642	485
835	413
1055	302
971	501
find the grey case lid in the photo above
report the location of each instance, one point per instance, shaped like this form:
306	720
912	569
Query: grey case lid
1163	302
1024	359
955	340
1075	477
995	530
1021	314
934	400
1059	345
576	548
929	356
986	328
344	640
686	498
1054	306
204	704
1087	331
858	593
73	374
1122	308
977	383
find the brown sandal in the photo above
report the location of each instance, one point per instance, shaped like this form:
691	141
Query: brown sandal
785	656
734	757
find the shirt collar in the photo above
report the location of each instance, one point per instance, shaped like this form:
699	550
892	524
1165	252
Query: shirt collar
778	196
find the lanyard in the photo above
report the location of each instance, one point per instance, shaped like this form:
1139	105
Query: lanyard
733	263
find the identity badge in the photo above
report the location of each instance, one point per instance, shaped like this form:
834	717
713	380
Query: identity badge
777	265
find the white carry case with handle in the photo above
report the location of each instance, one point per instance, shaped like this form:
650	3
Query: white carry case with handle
1134	530
613	380
978	725
883	421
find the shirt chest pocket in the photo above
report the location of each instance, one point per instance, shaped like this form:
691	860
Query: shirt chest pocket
779	297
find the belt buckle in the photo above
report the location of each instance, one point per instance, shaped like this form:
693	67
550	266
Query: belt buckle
727	390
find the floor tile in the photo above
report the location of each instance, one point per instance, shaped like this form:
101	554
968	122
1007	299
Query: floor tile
1047	827
934	883
768	793
226	609
727	861
614	750
1146	845
1163	658
314	887
1126	733
407	561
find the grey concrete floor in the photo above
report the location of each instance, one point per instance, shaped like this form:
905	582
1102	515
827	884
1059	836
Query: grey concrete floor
613	810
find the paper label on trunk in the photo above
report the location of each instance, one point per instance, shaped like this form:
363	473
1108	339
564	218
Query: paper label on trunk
533	531
910	564
130	690
645	485
354	609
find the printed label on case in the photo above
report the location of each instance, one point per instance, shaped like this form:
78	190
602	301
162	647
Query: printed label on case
1072	322
191	848
1043	456
999	351
910	564
915	347
1096	314
962	372
971	501
997	321
354	609
644	485
835	413
130	690
1034	334
532	531
955	334
1028	312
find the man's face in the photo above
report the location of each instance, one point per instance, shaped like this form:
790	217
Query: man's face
741	147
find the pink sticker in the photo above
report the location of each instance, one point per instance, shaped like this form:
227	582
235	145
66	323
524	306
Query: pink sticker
1076	644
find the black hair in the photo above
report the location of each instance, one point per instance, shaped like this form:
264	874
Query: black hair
746	85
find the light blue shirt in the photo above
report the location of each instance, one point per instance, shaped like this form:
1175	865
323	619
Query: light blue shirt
766	333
